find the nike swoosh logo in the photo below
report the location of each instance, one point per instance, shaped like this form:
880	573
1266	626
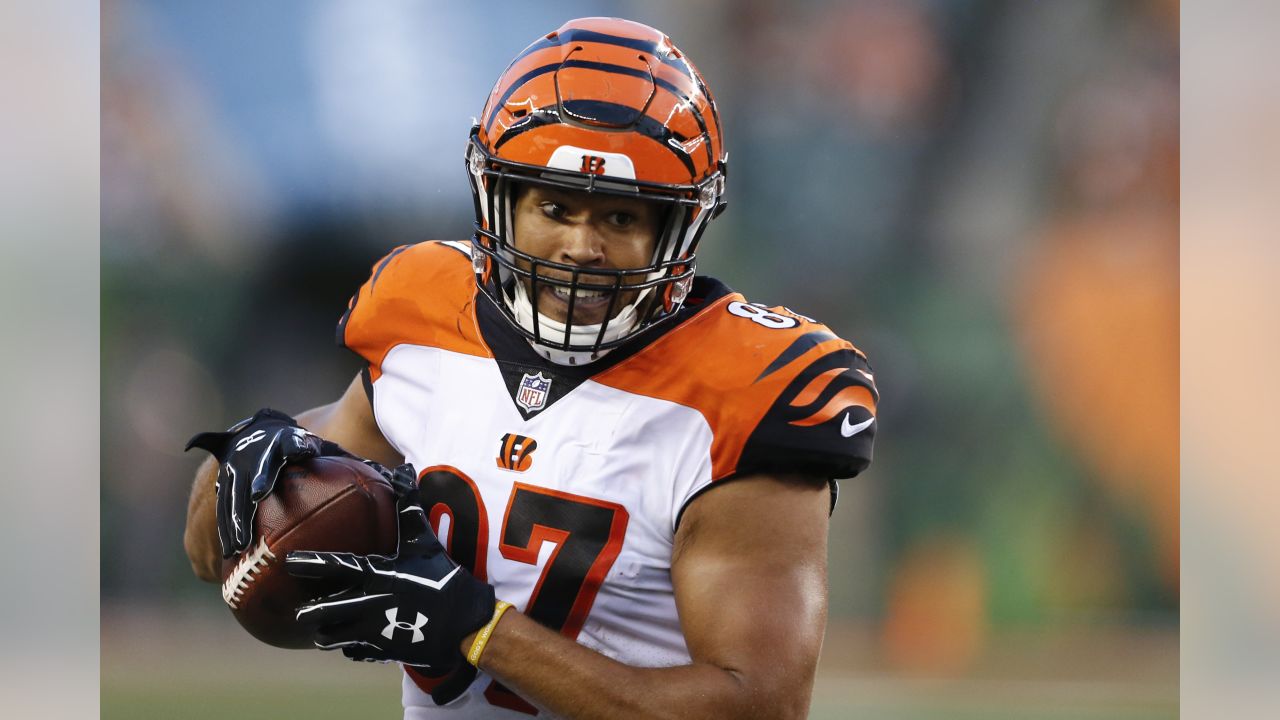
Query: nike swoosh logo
849	430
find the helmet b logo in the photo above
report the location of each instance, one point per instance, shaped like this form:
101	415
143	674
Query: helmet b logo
515	452
593	164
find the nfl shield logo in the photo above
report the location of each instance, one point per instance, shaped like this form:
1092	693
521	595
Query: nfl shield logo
532	395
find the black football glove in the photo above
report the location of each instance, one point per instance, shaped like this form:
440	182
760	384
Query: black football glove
413	608
250	456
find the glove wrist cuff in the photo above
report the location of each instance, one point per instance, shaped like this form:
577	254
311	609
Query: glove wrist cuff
483	635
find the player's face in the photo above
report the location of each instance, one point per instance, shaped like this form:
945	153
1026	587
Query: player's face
593	231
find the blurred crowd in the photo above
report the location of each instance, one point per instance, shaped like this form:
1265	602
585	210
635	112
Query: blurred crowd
981	194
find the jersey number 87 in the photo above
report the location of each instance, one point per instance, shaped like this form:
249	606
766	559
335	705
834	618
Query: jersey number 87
588	533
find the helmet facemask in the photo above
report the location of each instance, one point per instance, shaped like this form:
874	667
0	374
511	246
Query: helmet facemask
639	298
600	105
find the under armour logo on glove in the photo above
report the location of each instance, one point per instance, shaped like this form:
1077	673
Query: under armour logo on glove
393	624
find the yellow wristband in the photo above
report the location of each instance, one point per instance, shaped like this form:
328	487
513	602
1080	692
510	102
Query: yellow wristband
482	637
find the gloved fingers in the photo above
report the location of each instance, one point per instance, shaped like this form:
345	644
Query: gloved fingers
251	455
241	507
220	494
343	594
343	644
404	480
270	460
335	619
344	567
288	445
363	652
339	635
225	510
247	518
298	444
415	534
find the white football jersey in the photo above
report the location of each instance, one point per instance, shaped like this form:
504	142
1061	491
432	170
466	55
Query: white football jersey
563	486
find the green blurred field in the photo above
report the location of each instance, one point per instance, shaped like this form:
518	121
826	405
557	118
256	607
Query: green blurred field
195	702
196	664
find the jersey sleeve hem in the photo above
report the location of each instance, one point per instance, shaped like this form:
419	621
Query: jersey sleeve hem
832	485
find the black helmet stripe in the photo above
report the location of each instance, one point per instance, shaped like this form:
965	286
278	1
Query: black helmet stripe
513	87
672	61
664	84
538	118
646	126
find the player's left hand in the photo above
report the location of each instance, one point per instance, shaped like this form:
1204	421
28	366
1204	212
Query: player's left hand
251	454
414	608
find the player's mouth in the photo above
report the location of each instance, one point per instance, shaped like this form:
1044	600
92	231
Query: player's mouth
589	305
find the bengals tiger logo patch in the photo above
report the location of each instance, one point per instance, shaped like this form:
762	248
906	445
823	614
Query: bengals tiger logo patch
515	452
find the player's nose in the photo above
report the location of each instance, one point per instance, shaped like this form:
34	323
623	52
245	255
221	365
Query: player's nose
582	244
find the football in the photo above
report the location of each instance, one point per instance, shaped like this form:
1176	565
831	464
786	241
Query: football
332	504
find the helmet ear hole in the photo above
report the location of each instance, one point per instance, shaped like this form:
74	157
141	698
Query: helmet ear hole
674	293
680	288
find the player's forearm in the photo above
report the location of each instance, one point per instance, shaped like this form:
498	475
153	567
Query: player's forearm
201	535
576	682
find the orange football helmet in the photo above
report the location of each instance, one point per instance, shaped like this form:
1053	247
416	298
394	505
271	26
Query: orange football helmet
601	105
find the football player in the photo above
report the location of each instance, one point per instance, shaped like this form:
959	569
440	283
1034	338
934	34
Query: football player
614	475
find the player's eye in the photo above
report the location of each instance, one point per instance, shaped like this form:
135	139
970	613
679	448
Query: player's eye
621	219
553	210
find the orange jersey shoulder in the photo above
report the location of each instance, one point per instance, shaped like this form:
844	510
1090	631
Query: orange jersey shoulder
781	392
421	294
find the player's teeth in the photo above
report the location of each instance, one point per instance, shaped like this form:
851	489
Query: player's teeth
580	293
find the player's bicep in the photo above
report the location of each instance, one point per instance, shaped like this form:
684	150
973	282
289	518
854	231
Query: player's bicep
349	422
749	571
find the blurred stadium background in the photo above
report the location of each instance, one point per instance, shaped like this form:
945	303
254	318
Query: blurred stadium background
981	194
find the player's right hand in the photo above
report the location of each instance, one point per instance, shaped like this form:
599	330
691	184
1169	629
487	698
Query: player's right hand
250	455
420	582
